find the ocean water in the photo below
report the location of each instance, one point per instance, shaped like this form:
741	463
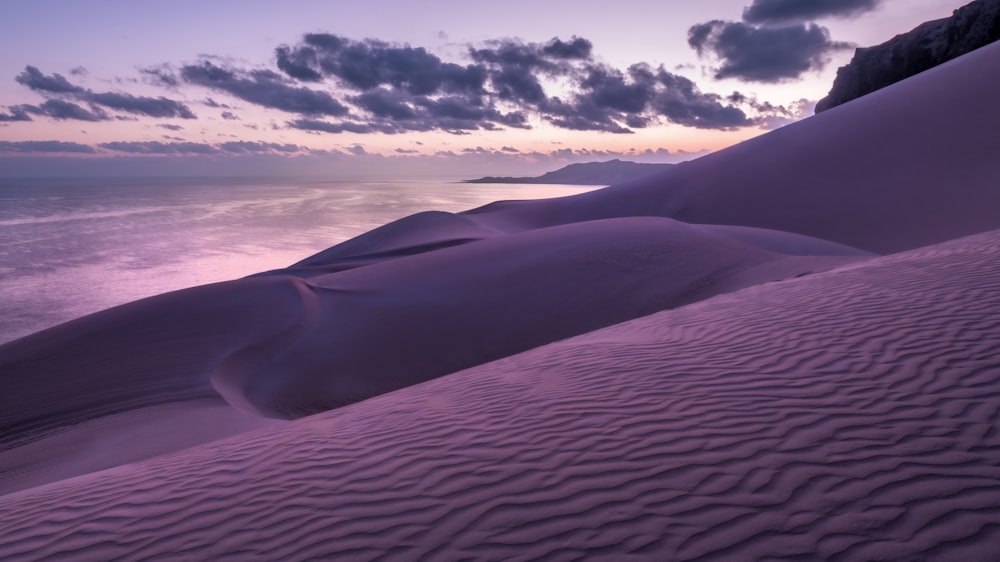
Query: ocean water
70	247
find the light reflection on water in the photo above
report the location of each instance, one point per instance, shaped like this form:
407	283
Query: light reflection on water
72	247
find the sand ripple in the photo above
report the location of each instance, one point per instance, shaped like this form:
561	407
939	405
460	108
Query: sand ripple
847	415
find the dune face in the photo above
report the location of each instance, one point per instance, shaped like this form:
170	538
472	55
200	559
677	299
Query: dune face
374	329
705	364
845	415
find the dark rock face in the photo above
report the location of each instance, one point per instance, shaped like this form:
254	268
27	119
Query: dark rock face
928	45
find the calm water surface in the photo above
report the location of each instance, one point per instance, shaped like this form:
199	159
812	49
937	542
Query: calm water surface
69	247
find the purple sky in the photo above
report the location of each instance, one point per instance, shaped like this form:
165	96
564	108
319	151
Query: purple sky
393	86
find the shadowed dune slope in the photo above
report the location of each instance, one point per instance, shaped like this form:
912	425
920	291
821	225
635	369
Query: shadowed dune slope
282	347
909	165
582	276
847	415
378	328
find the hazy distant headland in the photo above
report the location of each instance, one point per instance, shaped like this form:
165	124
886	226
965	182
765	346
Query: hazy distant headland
588	173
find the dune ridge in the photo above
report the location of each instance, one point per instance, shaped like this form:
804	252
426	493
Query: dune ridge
844	415
282	346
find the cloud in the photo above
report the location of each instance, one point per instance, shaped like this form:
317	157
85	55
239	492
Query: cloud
46	146
681	102
17	113
160	107
212	103
334	85
345	127
576	48
162	75
170	126
607	87
57	84
370	63
253	147
156	147
63	110
263	87
783	11
763	54
515	68
387	103
402	88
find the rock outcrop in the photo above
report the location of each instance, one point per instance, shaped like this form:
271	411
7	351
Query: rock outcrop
928	45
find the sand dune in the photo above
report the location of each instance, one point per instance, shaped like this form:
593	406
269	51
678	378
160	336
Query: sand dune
281	347
768	392
844	415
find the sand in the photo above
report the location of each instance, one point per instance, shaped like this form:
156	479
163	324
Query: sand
709	363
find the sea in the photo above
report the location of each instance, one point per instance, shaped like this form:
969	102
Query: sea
73	246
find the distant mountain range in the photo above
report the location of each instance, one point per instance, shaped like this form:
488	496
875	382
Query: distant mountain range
589	173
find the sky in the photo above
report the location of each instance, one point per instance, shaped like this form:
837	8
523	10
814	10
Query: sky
400	87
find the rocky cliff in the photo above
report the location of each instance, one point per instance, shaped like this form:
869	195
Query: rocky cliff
928	45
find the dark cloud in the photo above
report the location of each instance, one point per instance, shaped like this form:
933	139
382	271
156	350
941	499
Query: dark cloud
160	107
393	88
549	57
615	102
402	88
17	113
518	84
156	147
383	102
607	87
783	11
78	71
406	151
681	102
161	75
515	68
763	54
63	110
45	146
170	127
212	103
345	127
251	147
368	64
299	63
56	84
576	48
264	88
